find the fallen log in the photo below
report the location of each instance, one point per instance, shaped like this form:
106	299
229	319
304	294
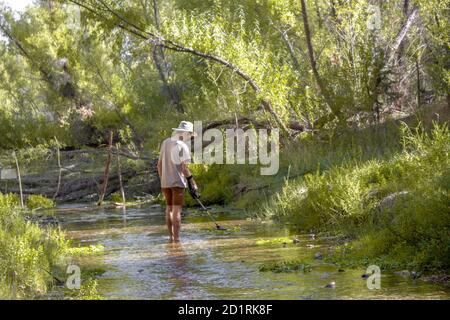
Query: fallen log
293	125
89	186
73	189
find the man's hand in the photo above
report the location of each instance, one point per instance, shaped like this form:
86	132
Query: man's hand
193	189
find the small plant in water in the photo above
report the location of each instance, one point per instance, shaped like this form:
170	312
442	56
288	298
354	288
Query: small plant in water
86	250
116	197
39	201
88	291
271	241
285	266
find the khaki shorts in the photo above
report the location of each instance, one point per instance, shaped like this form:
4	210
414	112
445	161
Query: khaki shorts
174	196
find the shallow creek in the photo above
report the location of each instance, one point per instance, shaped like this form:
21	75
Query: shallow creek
140	263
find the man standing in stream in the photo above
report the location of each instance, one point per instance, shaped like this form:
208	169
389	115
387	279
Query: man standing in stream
175	175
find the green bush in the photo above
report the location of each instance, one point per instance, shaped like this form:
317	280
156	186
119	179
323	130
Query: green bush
397	208
116	197
216	183
39	201
88	291
9	200
27	252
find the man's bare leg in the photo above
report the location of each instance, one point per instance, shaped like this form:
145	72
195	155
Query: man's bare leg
169	221
176	222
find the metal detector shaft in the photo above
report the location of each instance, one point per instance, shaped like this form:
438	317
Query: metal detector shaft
218	227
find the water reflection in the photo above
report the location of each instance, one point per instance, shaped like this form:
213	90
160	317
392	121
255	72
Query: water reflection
178	268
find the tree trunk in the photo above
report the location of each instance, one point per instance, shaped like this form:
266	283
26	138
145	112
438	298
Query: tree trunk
405	14
291	49
312	59
164	70
402	34
19	178
418	80
106	174
119	173
58	154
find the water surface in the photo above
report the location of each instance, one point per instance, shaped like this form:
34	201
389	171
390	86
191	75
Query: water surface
140	263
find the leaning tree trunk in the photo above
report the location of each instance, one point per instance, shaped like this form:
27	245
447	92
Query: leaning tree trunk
106	175
119	173
58	154
312	59
19	178
164	70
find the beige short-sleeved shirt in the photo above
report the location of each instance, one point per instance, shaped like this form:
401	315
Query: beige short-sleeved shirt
173	153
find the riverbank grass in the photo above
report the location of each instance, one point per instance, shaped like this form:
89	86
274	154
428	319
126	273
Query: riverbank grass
28	254
395	210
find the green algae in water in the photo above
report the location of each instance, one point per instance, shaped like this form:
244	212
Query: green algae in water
285	266
282	240
86	250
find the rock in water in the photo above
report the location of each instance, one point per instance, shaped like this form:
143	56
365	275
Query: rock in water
318	256
331	285
403	273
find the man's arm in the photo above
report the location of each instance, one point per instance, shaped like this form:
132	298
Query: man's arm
185	169
159	167
192	186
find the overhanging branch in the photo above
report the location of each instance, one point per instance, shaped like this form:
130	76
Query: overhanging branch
160	41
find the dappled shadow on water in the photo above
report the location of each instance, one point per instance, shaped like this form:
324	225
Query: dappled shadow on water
141	263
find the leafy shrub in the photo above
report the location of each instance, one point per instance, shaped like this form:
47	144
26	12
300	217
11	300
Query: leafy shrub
9	200
88	291
27	254
39	201
216	183
116	197
362	199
